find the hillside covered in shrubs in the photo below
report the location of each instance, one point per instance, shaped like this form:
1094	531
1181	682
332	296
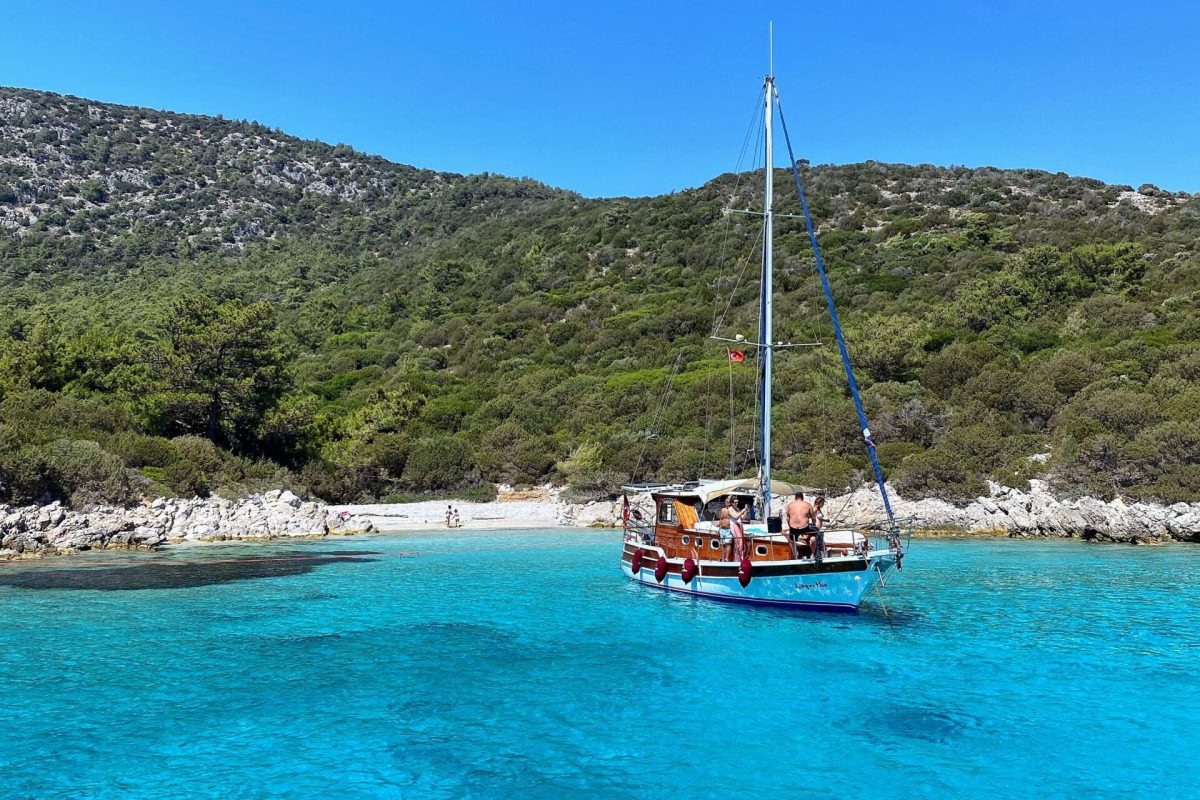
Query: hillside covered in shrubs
192	305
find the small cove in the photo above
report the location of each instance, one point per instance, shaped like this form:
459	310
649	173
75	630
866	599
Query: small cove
522	664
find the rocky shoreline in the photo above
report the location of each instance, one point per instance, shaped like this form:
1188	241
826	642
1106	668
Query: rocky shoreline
1036	512
35	531
1033	513
1006	511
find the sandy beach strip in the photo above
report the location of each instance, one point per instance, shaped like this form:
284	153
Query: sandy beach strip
428	515
527	507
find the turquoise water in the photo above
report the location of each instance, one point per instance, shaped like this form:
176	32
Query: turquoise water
522	664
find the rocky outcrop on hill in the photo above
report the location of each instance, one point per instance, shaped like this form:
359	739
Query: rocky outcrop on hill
34	531
87	170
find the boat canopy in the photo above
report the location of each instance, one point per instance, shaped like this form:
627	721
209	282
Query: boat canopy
707	491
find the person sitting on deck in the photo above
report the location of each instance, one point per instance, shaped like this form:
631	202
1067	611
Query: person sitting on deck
730	519
802	523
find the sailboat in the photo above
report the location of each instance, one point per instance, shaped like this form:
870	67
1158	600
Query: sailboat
684	548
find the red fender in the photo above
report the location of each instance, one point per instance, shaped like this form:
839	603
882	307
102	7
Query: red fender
636	565
689	570
660	569
744	573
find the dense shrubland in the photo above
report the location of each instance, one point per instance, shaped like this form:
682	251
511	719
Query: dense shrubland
196	306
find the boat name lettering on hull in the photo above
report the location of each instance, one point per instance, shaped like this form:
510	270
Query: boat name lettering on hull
812	586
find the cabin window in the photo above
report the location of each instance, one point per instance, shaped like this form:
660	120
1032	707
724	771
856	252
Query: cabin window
715	544
686	540
666	511
761	549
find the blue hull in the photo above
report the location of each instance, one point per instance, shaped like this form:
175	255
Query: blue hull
842	608
839	585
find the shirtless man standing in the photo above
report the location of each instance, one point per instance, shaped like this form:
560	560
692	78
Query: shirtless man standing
801	522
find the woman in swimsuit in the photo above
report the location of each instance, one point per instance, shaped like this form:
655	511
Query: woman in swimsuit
730	519
818	522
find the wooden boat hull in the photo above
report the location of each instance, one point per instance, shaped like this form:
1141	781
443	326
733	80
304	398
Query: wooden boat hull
836	584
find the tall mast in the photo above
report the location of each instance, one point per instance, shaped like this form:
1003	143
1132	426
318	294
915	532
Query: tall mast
765	332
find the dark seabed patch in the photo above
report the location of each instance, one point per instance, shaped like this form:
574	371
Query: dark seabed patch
180	574
939	725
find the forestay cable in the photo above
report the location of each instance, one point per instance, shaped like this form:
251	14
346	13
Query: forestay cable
837	325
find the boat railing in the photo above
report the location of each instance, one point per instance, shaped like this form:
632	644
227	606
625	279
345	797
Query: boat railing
639	533
896	536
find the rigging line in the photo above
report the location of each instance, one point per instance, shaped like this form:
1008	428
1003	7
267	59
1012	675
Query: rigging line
719	321
750	128
837	328
737	283
732	425
752	452
732	417
708	426
882	602
835	520
754	430
737	170
662	404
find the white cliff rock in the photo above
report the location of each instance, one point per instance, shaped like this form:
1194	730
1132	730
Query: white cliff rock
52	530
33	531
1035	512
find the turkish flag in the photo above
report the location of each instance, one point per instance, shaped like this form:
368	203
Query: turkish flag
737	356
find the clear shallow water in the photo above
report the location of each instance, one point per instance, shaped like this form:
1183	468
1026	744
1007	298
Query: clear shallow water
522	664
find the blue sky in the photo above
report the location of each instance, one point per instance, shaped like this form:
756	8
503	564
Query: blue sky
635	98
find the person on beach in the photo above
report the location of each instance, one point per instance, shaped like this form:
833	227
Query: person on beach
449	514
801	524
457	523
730	519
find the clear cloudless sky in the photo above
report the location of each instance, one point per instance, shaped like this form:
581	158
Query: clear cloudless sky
645	97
